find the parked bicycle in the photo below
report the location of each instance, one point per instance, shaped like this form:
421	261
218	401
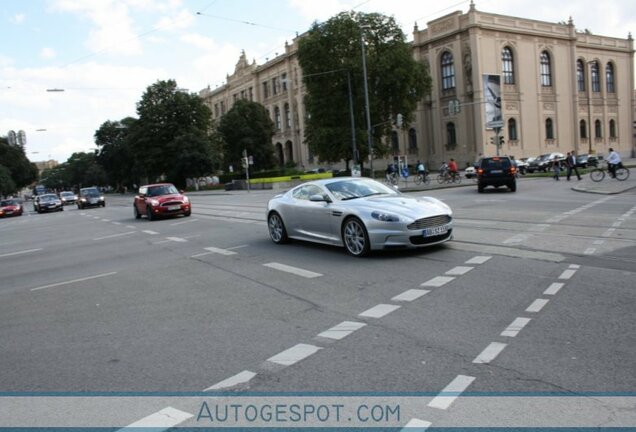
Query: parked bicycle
598	173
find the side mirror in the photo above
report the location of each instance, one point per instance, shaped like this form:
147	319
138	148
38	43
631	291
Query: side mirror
320	198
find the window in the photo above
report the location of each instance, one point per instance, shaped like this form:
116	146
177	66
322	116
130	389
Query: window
395	142
235	97
216	110
583	129
283	79
448	71
609	78
287	116
412	139
546	70
222	108
580	75
274	86
549	129
598	132
304	192
265	90
507	66
512	129
251	94
612	128
596	78
451	137
277	117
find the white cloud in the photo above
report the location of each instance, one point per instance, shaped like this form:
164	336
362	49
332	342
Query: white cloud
47	53
18	18
179	21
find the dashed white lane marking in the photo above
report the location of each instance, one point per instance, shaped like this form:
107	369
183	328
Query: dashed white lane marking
537	305
379	311
490	353
115	235
438	281
238	247
598	242
200	254
567	274
539	227
294	354
456	387
617	224
517	325
20	252
116	223
410	295
218	251
519	238
105	220
177	239
342	330
184	222
239	378
96	217
150	232
478	260
553	288
574	266
130	227
609	232
459	270
74	281
293	270
416	425
161	420
589	251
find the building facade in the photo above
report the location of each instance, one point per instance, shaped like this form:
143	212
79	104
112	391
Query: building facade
560	90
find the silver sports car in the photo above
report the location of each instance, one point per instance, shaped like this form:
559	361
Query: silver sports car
358	213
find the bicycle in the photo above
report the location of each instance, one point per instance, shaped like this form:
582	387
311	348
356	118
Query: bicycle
422	178
391	178
598	173
447	177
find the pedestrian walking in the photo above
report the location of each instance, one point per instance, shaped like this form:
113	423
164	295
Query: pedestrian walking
570	163
556	168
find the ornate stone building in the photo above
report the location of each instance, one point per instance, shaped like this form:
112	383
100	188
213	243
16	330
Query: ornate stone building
560	90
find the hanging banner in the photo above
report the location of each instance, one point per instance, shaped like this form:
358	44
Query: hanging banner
492	96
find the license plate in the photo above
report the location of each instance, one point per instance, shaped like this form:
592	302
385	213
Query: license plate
174	207
429	232
496	171
8	212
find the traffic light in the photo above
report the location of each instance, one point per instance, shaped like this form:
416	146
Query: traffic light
501	140
492	140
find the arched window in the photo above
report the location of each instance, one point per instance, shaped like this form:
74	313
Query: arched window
583	129
596	78
598	132
412	139
512	129
580	75
451	136
448	71
395	141
612	128
546	70
287	116
277	117
507	66
549	129
609	78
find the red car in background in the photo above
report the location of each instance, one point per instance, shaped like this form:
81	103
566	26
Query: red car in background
11	207
162	199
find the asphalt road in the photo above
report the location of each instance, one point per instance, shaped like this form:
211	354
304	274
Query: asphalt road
534	294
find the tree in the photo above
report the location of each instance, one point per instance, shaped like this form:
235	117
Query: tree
7	185
112	139
171	123
22	171
247	126
396	82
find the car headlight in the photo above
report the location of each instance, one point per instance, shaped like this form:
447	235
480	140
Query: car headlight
186	199
153	202
83	199
385	217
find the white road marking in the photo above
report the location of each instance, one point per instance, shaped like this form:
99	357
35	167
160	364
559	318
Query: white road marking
116	235
438	281
184	222
416	425
74	281
458	271
237	247
598	242
177	239
200	255
96	217
567	274
294	354
609	232
161	420
379	311
131	227
410	295
116	223
553	288
239	378
478	260
220	251
342	330
537	305
517	325
150	232
490	353
516	239
589	251
574	266
20	252
456	387
617	224
293	270
105	220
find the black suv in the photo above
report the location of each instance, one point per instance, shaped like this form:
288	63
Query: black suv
496	171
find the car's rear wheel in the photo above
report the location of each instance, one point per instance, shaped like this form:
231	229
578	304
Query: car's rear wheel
277	231
136	212
355	237
480	188
149	213
513	186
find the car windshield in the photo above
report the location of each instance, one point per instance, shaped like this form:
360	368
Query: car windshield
90	192
65	194
48	198
358	188
162	190
9	202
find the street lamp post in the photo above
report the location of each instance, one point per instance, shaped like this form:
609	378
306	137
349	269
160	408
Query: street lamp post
366	102
589	109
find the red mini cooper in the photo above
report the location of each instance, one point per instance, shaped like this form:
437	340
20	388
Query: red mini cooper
162	199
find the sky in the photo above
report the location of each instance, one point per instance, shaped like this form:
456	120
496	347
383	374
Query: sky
105	53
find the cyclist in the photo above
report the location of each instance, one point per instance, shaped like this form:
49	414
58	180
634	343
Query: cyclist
452	168
421	171
613	162
391	172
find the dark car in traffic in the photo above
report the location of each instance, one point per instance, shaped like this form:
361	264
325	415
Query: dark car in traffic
48	203
496	171
161	199
11	207
90	197
68	197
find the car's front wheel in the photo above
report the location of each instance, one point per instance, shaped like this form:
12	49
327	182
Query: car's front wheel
149	213
355	237
277	231
136	212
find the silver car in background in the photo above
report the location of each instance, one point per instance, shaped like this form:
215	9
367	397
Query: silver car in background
358	213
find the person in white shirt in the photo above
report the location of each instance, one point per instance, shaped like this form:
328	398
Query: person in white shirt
613	162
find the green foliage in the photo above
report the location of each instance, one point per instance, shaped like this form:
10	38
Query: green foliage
7	185
112	139
80	170
22	172
396	82
247	126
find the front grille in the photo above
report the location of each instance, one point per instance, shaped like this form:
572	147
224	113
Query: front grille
171	203
421	240
430	222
